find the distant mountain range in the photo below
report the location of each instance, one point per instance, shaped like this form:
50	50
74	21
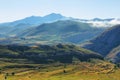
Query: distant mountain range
53	28
107	44
36	20
12	28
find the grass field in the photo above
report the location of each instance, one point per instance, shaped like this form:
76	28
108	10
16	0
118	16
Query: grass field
95	70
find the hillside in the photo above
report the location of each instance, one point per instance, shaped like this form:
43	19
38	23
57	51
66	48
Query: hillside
48	54
56	62
114	55
59	27
64	31
106	42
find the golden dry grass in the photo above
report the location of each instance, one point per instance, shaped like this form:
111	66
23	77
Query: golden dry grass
77	71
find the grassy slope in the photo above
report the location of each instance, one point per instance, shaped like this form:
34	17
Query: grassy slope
25	69
96	70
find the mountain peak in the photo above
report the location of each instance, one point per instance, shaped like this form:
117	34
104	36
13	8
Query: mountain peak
36	20
54	15
33	16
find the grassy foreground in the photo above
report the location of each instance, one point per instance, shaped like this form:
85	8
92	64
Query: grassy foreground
95	70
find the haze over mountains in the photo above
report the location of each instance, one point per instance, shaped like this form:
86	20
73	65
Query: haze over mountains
32	21
15	27
53	28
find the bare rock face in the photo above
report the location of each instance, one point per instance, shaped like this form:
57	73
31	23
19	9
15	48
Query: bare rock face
106	42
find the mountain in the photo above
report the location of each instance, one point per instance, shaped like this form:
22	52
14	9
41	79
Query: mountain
37	20
53	28
12	28
107	43
59	27
65	31
18	26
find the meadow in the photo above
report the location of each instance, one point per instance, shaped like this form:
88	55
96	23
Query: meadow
93	70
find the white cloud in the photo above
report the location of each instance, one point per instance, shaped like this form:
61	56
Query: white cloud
104	23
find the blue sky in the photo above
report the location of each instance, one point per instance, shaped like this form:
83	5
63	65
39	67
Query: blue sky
11	10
